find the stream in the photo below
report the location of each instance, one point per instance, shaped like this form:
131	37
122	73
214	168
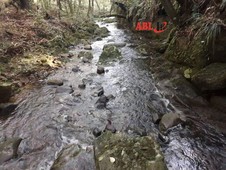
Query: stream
52	117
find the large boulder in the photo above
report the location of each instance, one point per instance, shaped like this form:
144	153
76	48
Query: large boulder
8	149
118	151
5	92
194	56
212	77
110	53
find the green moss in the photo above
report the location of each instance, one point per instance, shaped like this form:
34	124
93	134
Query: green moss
190	53
129	153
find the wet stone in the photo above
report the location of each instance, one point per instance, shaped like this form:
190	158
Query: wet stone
82	86
169	120
99	92
7	108
97	132
88	47
55	82
87	81
100	105
100	70
102	99
156	117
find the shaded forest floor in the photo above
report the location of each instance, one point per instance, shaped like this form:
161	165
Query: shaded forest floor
31	45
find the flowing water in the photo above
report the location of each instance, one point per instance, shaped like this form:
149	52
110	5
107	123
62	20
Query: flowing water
50	117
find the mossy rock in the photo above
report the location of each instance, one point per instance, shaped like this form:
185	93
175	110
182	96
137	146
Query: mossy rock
110	53
118	151
85	54
190	53
212	77
102	32
66	158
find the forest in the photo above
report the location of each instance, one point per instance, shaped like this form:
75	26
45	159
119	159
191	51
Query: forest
113	84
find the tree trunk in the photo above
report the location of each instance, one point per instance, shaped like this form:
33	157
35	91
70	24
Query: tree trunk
92	9
89	9
168	6
97	5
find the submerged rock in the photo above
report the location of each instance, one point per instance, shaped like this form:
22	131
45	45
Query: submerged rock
7	108
212	77
5	92
8	149
55	82
64	90
118	151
